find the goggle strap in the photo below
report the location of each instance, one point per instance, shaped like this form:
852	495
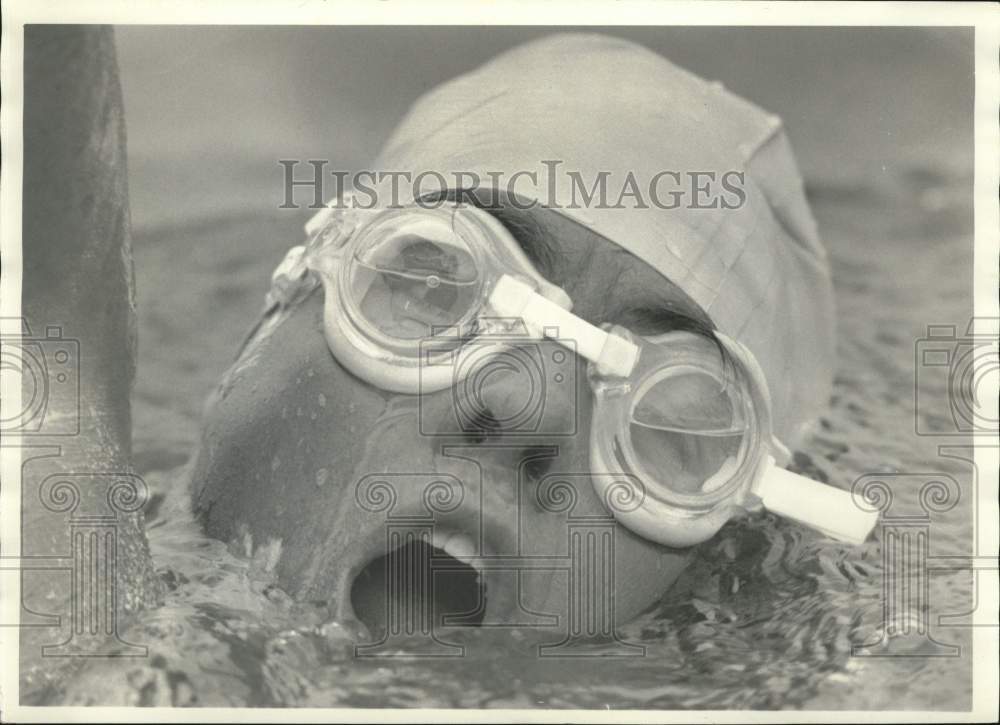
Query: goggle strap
612	354
827	509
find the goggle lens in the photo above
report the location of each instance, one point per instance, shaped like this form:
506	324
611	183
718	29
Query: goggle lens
410	286
686	429
690	401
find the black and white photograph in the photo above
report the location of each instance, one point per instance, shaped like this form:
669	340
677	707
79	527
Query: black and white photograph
610	362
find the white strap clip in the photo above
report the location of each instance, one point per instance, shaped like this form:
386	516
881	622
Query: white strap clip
612	354
825	508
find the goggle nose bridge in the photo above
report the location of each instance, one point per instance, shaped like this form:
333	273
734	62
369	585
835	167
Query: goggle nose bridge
612	354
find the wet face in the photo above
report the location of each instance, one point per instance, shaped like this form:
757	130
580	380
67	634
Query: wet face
349	493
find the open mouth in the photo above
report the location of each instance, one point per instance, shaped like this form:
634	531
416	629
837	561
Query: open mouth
419	585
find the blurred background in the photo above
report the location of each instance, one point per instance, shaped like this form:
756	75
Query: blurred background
210	110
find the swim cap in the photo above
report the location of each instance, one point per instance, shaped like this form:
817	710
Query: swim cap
602	106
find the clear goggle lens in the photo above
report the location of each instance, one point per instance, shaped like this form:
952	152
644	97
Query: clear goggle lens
686	429
411	283
689	401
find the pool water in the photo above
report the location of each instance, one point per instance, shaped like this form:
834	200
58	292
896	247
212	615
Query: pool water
765	617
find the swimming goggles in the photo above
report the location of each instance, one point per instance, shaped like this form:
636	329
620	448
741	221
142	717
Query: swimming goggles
686	428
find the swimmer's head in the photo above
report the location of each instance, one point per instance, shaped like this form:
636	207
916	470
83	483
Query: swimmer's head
307	459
